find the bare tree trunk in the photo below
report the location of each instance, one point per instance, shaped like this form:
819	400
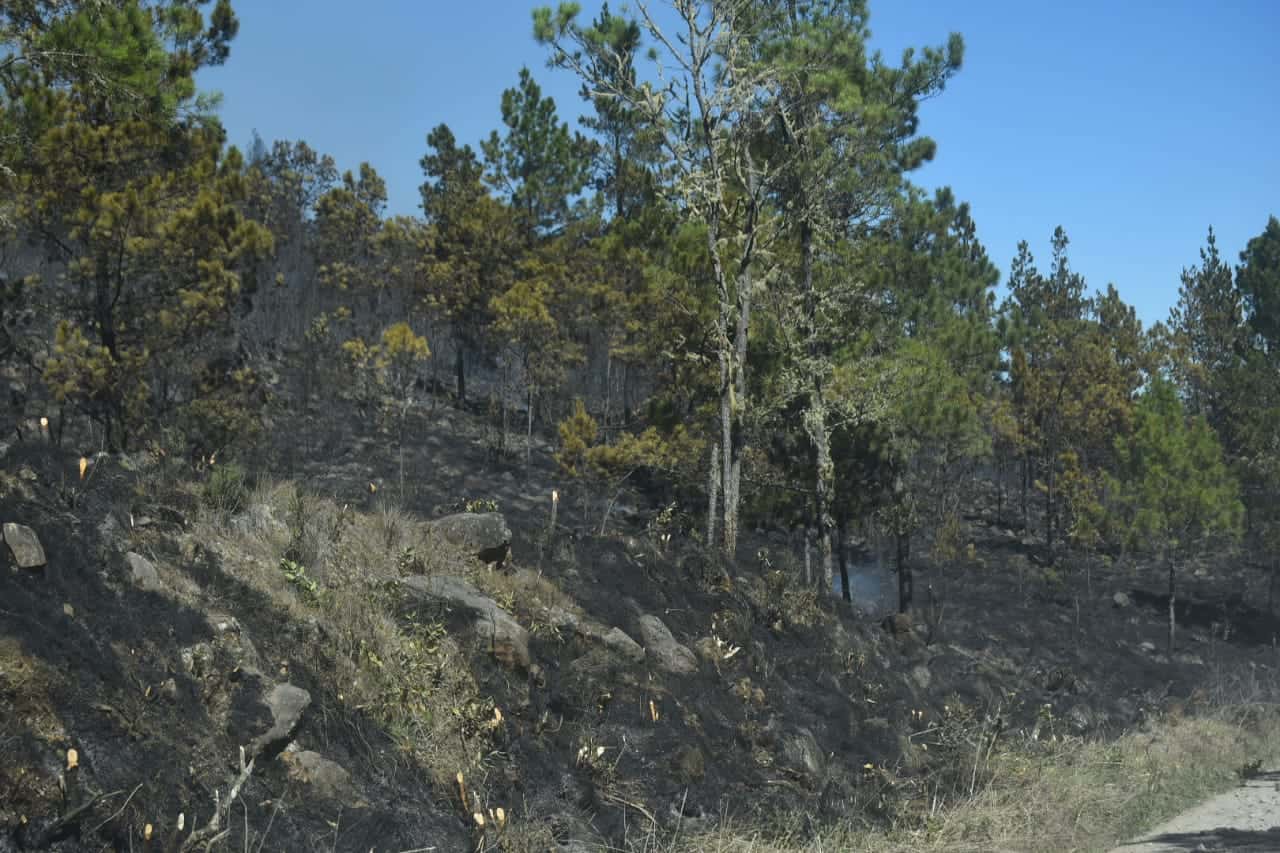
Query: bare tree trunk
528	432
608	385
906	581
843	549
1026	481
459	365
713	488
822	495
1172	618
1271	587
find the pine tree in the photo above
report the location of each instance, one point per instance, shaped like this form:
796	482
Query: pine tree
537	163
1175	490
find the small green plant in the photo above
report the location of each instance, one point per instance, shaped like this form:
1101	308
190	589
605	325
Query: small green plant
227	489
296	574
409	563
481	505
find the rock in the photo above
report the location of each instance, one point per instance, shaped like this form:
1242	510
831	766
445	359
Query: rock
664	649
619	641
326	778
503	636
169	689
689	764
899	624
111	535
483	535
802	752
1121	600
257	520
143	573
287	704
921	676
1147	646
562	619
24	545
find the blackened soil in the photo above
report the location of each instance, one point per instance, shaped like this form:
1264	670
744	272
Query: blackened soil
819	712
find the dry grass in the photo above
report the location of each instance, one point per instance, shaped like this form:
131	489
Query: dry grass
1068	795
317	560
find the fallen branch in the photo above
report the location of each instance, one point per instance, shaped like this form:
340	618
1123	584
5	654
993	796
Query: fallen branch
212	832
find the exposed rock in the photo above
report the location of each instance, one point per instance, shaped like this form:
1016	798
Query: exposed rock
1121	600
802	752
921	676
111	535
562	619
1147	646
327	778
483	535
143	573
620	642
257	520
24	545
689	764
663	648
287	704
899	624
497	629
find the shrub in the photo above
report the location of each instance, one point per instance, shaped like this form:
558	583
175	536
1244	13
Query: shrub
226	491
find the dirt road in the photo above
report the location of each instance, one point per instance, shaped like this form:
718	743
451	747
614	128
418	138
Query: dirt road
1245	819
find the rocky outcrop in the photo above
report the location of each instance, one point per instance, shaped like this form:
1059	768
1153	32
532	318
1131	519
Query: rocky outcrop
24	545
143	573
286	704
324	777
666	652
492	627
483	535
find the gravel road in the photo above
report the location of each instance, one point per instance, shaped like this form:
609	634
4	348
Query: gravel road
1245	819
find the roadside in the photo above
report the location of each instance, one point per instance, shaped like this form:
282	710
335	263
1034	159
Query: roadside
1244	819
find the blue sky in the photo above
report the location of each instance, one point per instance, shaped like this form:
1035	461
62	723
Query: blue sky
1136	124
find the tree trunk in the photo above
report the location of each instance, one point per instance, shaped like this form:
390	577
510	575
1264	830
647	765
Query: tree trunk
1049	506
906	581
713	488
1026	482
460	366
528	432
608	386
737	435
823	487
1271	587
843	553
626	392
1172	618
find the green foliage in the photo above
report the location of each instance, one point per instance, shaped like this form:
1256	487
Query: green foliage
538	163
226	491
1258	279
1173	485
296	574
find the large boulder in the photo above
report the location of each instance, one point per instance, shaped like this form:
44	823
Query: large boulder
483	535
143	573
326	778
494	628
664	649
287	704
24	545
